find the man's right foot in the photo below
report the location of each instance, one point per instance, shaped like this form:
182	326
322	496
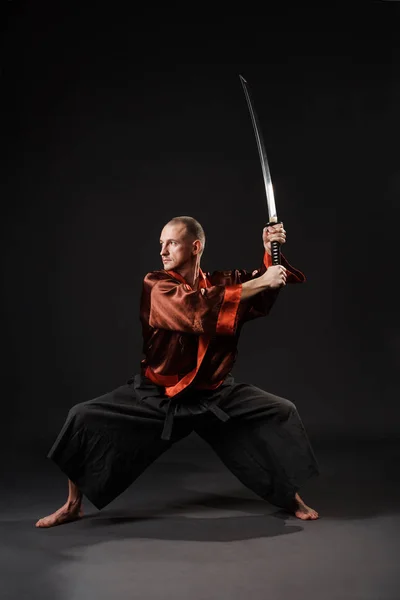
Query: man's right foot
67	513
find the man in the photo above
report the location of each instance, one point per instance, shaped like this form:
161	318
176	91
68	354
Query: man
191	323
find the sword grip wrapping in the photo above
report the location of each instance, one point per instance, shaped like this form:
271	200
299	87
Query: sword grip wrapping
276	253
275	247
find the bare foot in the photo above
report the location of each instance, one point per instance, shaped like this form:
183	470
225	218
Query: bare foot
67	513
304	512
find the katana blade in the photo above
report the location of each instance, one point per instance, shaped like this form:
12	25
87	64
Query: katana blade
269	190
262	153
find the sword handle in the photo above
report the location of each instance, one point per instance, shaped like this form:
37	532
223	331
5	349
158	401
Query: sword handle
275	247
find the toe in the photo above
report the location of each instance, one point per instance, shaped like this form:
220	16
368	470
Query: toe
303	516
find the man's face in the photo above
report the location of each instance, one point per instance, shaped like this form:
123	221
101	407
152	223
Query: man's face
176	248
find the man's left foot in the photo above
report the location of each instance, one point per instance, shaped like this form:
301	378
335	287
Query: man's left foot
304	512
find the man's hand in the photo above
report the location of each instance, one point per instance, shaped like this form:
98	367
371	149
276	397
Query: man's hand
273	233
274	277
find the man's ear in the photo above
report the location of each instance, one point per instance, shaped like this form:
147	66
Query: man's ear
196	247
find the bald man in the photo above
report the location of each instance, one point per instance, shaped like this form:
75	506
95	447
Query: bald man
191	323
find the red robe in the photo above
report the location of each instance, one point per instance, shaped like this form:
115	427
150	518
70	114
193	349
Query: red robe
191	336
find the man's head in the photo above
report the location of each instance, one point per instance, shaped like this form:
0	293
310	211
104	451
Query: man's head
182	243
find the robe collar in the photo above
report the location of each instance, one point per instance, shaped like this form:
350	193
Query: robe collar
203	282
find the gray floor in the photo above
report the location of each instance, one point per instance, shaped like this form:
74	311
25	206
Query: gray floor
189	529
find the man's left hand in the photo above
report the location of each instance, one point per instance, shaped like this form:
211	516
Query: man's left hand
273	233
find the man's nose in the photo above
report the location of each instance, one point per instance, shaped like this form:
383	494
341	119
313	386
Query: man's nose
163	251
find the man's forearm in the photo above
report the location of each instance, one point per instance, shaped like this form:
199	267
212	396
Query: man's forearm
251	288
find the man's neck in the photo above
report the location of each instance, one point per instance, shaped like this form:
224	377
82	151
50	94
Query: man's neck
192	275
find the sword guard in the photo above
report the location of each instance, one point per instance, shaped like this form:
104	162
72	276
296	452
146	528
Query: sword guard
275	246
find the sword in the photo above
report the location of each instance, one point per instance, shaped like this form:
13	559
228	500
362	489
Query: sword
273	217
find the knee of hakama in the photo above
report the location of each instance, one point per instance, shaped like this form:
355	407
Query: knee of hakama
78	414
286	408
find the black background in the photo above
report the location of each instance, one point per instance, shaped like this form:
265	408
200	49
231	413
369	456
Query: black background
116	122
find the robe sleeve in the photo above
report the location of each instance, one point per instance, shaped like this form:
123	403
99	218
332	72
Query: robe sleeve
175	306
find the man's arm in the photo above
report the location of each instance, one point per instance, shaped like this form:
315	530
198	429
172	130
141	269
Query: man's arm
274	278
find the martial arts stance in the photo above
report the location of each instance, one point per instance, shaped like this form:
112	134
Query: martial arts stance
191	323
